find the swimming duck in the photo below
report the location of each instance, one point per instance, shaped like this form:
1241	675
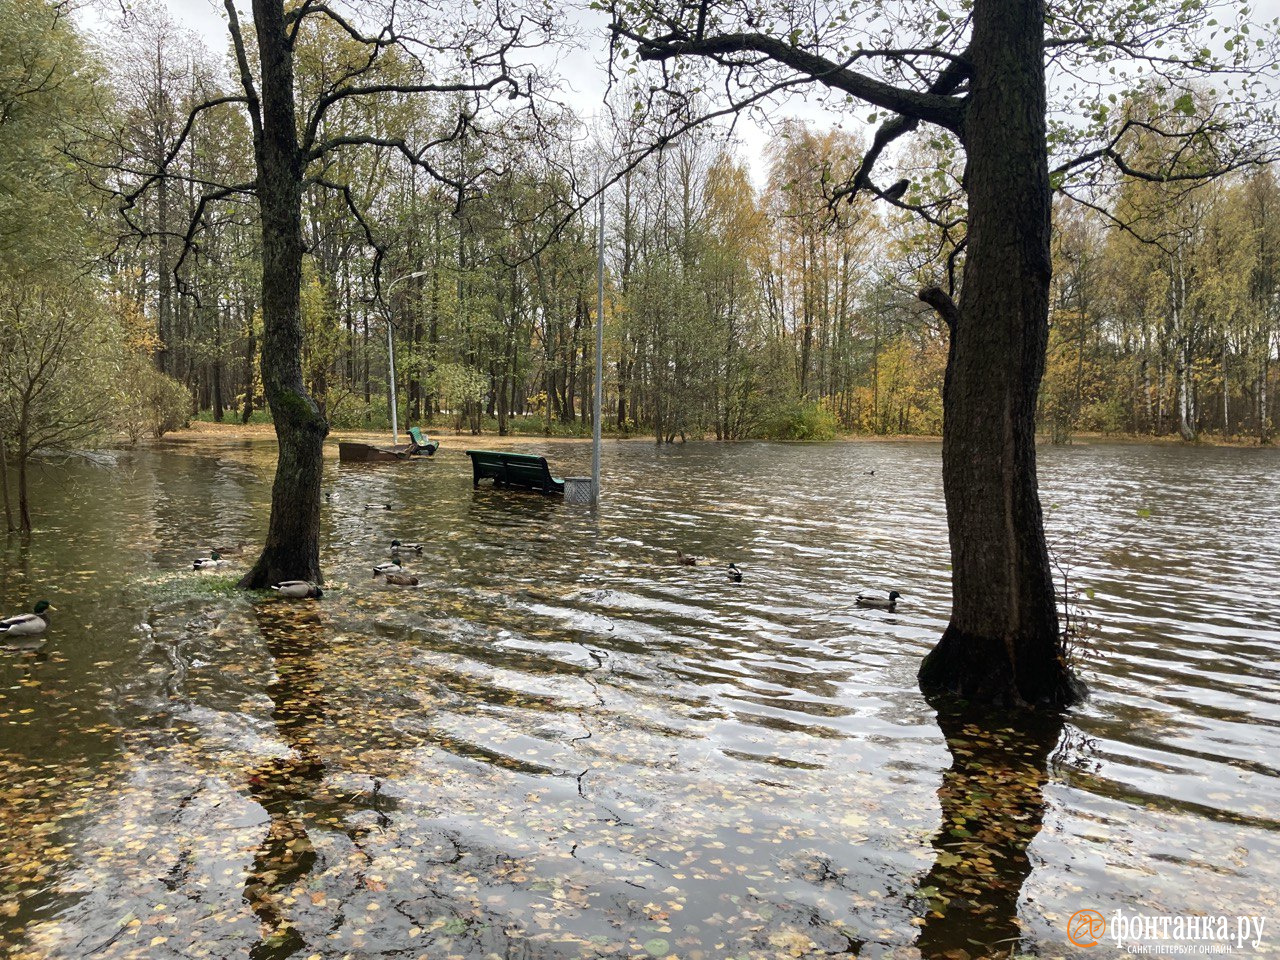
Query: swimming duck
401	580
27	624
382	569
298	589
685	560
734	573
211	562
398	547
875	603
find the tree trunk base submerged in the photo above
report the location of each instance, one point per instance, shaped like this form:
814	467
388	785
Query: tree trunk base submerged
979	670
292	549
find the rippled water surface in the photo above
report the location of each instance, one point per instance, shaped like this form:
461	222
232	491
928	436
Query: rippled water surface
564	744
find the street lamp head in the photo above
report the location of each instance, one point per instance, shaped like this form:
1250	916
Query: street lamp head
407	276
386	294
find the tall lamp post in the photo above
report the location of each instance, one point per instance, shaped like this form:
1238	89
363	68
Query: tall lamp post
584	490
391	352
599	393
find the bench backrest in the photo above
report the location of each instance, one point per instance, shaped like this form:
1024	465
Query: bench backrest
416	434
512	461
520	472
515	469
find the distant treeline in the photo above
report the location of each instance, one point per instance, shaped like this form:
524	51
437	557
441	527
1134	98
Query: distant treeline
733	309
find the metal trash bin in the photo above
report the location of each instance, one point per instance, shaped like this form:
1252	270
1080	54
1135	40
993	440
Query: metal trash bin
578	490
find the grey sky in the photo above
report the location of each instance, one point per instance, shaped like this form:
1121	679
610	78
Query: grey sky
583	74
581	69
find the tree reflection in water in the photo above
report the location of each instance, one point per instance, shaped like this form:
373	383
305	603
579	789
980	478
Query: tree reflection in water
992	800
291	789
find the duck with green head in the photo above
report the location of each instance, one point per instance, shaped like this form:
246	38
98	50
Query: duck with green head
876	603
211	562
27	624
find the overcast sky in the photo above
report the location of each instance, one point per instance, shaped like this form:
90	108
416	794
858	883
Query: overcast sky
583	73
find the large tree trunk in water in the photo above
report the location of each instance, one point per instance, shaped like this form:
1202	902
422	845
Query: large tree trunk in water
292	551
1002	645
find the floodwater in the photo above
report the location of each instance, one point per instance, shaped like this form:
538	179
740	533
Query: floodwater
563	744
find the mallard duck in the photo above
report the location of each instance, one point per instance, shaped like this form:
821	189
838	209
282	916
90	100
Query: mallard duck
382	569
211	562
398	547
685	560
27	624
298	589
734	573
401	580
875	603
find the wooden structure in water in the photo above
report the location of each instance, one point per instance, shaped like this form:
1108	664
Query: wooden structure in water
353	451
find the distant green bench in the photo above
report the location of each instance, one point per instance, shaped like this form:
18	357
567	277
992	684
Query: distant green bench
421	444
507	469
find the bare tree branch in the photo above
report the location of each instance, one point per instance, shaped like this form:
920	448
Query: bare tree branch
944	111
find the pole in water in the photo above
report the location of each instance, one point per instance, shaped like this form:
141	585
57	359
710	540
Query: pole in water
391	351
599	397
391	380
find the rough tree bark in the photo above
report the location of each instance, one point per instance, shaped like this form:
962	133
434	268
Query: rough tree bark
292	550
1002	644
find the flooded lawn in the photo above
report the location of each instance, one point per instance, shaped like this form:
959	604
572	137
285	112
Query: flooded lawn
563	744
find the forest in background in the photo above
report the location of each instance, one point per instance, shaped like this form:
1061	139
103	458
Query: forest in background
732	310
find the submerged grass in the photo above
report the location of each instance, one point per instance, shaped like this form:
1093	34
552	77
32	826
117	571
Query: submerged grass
189	585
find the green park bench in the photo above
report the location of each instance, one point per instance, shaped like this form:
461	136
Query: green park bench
507	469
421	444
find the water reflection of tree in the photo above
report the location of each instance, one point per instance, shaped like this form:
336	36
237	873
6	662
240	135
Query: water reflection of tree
992	801
291	788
